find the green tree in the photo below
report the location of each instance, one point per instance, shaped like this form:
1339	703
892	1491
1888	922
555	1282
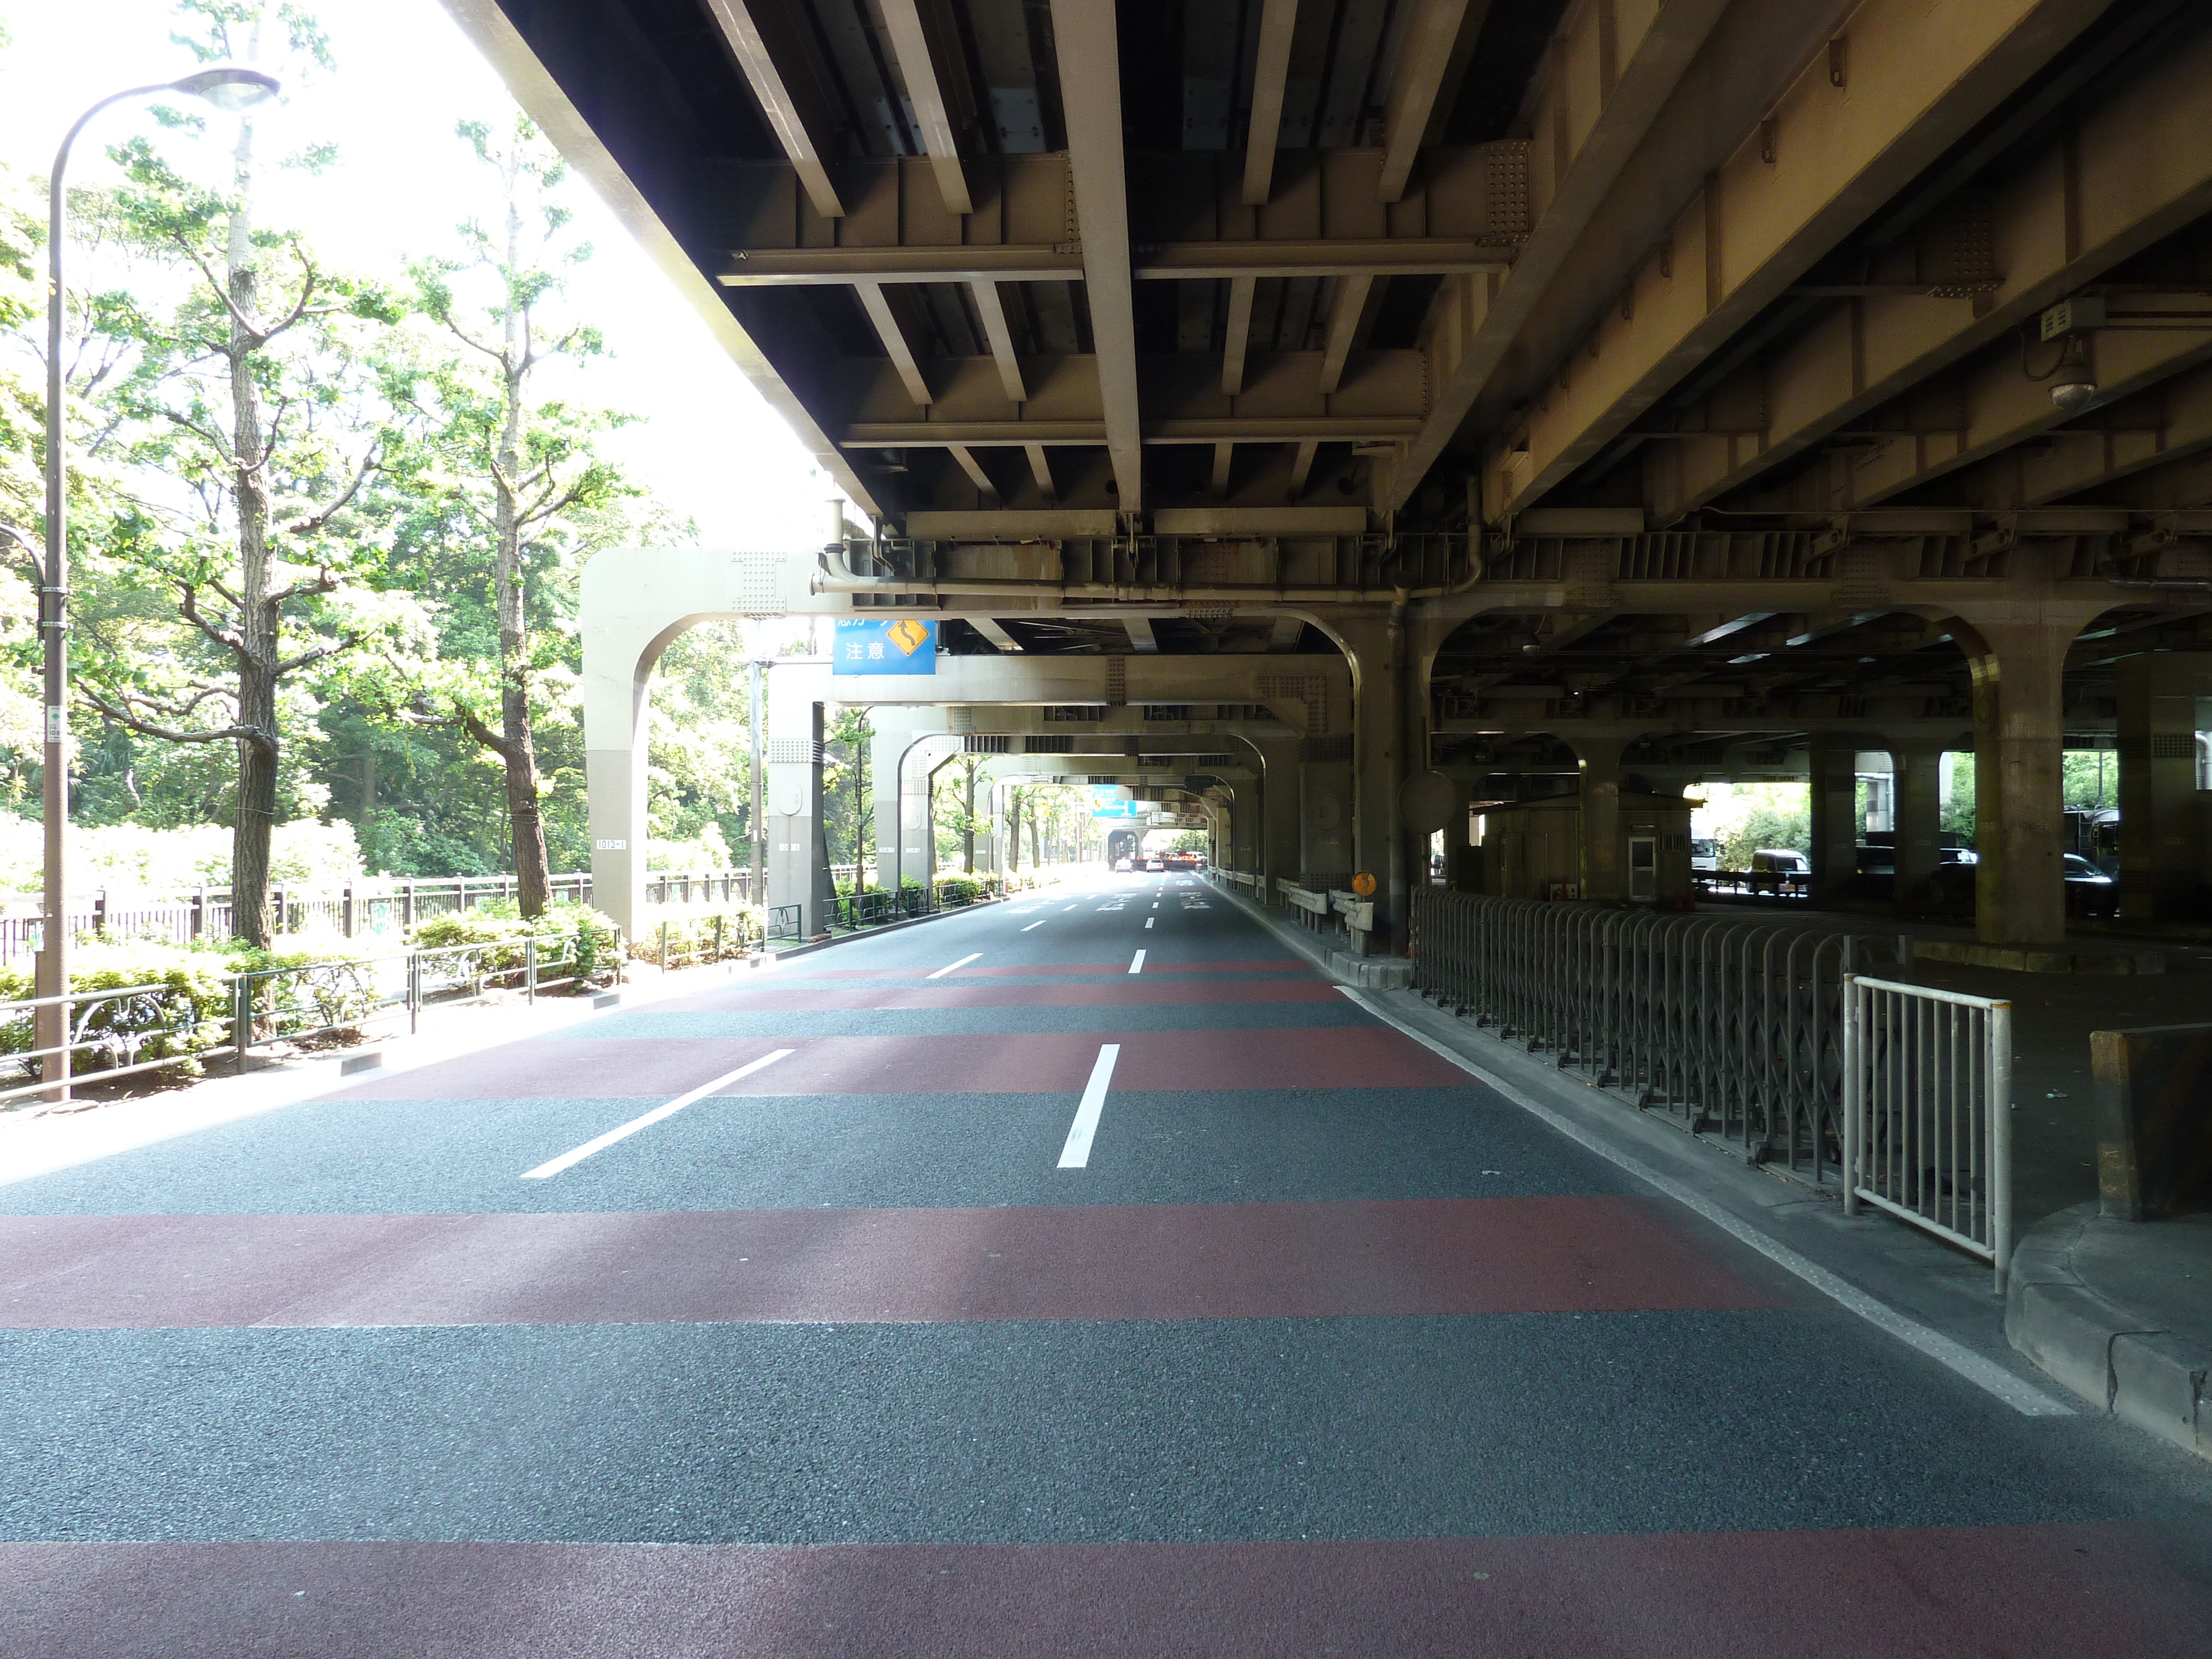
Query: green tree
262	393
520	470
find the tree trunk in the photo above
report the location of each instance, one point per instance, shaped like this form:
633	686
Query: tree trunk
1036	851
526	823
259	619
1013	831
968	822
863	758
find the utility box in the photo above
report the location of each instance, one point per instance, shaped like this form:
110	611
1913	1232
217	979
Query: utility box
1533	849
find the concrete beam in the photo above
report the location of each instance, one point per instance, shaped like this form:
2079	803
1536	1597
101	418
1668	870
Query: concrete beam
910	50
2000	408
1089	52
1141	634
2122	176
995	631
1918	82
876	304
1604	89
1168	262
546	99
991	307
1270	69
799	124
1426	43
1238	335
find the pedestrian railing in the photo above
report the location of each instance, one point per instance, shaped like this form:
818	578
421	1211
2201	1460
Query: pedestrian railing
1734	1027
1928	1112
692	941
783	920
191	1016
370	905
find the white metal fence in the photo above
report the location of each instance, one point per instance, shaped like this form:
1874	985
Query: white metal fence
1928	1112
370	905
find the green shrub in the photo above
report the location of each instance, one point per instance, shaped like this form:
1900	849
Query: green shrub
688	934
183	1011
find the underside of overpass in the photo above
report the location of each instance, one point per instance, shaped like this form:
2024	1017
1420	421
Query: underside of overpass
1672	372
1325	416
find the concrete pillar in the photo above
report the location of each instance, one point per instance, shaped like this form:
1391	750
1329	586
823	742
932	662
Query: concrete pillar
1832	792
1279	829
1604	868
2166	699
797	846
1325	810
890	730
1919	833
2020	894
1380	674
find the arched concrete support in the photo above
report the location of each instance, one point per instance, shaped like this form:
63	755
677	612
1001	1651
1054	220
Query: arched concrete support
1376	649
2017	655
797	846
2166	699
1832	796
892	732
1277	841
1919	833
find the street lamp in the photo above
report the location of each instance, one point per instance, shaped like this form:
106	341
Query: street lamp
233	88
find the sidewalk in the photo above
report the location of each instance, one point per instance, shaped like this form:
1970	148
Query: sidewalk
34	1142
2121	1313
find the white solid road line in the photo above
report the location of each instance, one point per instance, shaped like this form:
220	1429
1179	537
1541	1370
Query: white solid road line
1077	1153
1148	921
1069	908
553	1166
963	962
2022	1397
1138	966
1034	924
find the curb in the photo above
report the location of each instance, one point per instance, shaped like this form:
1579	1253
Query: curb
881	928
1370	973
2129	1366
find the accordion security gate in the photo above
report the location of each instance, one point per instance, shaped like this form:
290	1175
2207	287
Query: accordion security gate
1927	1113
1736	1027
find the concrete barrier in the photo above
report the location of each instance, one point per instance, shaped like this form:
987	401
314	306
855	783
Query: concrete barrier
2154	1120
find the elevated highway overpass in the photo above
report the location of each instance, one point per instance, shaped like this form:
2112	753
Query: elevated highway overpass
1638	376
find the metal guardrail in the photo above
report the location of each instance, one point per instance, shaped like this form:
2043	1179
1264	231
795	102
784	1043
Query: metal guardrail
783	920
1735	1027
368	906
128	1030
1928	1112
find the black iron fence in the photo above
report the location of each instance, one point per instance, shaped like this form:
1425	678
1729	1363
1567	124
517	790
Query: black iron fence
1735	1027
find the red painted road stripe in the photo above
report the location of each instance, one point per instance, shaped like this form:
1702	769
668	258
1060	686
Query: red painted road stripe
1265	965
1594	1254
1045	1062
1122	993
2026	1592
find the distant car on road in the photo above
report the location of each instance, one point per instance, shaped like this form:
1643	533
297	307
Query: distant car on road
1780	869
2089	890
1124	864
1154	864
1705	854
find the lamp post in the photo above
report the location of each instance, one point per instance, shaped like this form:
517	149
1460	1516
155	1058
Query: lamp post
231	87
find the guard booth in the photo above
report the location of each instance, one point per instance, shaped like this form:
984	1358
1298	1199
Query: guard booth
1533	849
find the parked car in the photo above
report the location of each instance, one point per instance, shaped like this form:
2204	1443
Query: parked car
1780	869
2089	890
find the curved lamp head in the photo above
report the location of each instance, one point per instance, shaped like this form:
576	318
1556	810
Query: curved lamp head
230	86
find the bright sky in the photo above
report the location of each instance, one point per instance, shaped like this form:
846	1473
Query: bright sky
711	447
